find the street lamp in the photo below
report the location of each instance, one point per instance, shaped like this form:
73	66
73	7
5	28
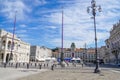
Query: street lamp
94	8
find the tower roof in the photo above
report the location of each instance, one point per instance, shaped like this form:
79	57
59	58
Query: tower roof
73	45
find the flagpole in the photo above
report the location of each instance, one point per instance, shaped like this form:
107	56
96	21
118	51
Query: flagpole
62	30
62	54
12	45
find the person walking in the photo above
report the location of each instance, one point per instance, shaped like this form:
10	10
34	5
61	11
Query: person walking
82	64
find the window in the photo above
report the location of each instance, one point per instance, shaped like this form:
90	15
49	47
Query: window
2	56
3	45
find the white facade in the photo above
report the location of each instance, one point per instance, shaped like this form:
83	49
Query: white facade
113	43
104	54
40	53
111	57
20	51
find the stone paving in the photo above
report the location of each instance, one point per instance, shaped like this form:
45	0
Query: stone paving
85	73
13	74
71	72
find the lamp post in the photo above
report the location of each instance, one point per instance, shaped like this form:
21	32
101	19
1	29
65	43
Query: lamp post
94	8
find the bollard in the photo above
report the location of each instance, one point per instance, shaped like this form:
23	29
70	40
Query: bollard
82	65
74	65
44	65
16	65
5	65
35	64
23	64
11	64
55	65
52	67
27	65
67	64
40	66
47	64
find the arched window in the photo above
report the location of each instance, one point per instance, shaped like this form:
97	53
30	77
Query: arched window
9	45
2	56
7	58
3	44
12	45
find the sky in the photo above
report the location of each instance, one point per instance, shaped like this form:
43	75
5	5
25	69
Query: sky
39	22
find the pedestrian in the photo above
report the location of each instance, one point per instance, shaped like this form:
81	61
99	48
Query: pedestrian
47	64
35	64
52	67
82	64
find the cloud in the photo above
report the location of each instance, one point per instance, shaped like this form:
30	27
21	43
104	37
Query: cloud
10	7
33	28
43	18
39	2
22	26
78	27
21	31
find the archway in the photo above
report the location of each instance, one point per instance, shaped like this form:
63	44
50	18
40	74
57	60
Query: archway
7	58
2	56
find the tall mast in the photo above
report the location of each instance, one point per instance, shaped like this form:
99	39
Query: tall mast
62	30
12	45
62	54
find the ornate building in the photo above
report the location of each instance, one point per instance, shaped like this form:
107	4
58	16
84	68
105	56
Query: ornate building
87	55
113	43
20	50
90	55
104	54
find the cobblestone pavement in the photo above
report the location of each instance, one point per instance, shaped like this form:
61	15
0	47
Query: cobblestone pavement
13	74
85	73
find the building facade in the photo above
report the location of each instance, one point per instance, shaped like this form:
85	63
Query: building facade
19	50
113	43
86	54
38	53
104	54
90	55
